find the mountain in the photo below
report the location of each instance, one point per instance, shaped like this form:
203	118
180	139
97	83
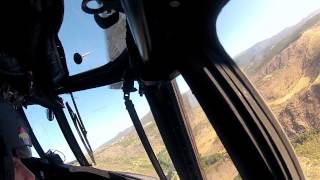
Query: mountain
285	69
288	78
254	58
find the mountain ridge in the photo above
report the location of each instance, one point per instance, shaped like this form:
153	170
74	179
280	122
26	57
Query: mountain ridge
250	60
284	69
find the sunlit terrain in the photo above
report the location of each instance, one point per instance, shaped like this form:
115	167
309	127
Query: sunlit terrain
285	70
287	76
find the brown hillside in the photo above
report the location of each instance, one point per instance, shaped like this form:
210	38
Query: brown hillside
289	83
286	71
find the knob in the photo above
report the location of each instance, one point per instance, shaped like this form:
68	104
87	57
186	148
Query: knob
78	58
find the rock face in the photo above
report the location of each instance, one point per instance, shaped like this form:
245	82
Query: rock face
289	79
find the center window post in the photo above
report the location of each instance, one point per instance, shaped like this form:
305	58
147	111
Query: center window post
167	114
186	120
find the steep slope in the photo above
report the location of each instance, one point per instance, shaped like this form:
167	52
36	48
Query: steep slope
289	81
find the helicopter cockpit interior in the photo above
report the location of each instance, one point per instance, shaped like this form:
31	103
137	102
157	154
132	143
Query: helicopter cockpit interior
147	51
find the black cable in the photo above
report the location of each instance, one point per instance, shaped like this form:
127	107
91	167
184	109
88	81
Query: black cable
143	137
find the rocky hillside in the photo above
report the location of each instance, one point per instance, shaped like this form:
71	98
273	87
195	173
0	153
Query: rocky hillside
289	79
286	71
254	58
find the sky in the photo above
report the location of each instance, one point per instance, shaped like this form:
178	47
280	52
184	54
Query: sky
241	24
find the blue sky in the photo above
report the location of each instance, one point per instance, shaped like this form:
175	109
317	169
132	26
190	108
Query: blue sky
102	109
240	25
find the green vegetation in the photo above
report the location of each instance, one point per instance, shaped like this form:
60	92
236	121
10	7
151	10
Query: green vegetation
308	145
166	164
307	148
207	161
238	177
164	160
305	137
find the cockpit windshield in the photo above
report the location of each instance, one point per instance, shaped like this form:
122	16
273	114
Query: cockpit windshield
276	44
114	141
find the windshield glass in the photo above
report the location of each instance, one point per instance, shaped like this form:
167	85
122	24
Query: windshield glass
48	133
276	44
213	158
115	143
80	34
